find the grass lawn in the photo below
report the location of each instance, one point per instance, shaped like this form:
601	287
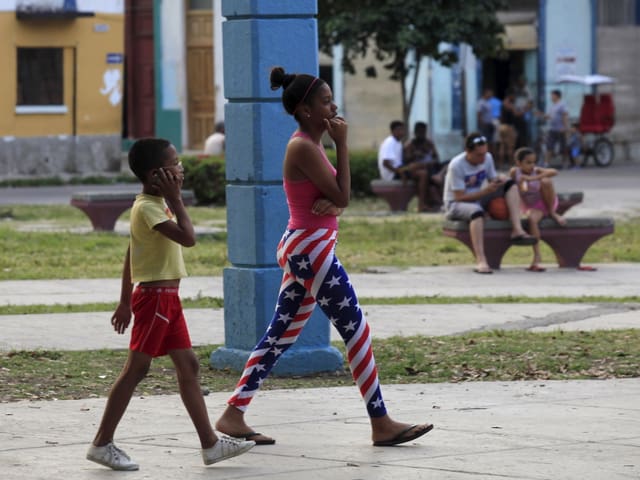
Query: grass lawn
502	356
367	239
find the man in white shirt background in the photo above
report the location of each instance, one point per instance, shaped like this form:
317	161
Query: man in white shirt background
390	152
214	145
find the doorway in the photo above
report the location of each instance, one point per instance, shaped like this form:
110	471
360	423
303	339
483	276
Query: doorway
500	74
200	82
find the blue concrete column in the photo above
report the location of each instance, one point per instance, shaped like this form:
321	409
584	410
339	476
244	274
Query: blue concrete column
258	35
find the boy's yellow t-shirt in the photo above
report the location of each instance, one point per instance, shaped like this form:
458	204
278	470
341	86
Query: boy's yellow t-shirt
153	256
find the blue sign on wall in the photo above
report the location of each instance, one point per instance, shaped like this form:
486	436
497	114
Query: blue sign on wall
115	58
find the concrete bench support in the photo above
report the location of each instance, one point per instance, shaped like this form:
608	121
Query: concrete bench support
396	193
569	243
568	200
104	208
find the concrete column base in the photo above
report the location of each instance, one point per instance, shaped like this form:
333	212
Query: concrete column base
296	361
250	297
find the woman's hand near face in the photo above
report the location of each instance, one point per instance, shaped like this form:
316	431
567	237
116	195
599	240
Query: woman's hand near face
337	129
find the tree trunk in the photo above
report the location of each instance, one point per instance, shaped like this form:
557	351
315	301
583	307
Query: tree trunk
405	105
409	102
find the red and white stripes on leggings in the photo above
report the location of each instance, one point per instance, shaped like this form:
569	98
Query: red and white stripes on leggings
313	274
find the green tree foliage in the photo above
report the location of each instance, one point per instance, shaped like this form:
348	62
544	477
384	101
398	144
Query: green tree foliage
392	29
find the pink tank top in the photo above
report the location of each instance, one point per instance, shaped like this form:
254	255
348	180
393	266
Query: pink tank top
302	194
531	195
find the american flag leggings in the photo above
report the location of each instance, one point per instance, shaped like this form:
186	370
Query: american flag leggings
313	274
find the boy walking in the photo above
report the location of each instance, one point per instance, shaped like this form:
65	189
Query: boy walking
160	227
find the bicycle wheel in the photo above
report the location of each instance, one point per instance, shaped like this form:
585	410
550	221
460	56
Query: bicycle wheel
603	152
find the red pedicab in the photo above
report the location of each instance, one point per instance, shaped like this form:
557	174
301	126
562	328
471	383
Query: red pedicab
597	117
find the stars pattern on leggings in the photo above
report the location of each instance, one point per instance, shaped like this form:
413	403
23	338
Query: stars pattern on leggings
336	297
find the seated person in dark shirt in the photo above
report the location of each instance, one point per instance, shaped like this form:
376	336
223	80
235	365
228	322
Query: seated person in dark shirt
422	161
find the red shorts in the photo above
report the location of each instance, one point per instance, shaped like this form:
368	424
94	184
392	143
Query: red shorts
159	324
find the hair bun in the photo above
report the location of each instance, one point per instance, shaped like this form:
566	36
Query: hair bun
279	78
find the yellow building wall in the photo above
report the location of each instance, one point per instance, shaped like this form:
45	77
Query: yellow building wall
93	88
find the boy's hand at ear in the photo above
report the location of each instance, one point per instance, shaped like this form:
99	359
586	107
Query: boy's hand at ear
169	184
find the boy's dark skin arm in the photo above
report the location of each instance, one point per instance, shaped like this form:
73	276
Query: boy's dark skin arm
122	316
169	184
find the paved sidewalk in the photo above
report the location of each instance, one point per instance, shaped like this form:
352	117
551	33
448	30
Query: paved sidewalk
587	430
613	280
92	330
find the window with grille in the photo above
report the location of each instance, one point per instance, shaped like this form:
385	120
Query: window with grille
40	77
618	12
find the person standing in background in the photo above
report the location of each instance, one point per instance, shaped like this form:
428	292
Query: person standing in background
507	132
214	144
523	105
558	118
484	110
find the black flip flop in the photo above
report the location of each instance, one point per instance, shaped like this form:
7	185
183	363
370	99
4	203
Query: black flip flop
536	268
586	268
524	240
401	438
482	272
250	435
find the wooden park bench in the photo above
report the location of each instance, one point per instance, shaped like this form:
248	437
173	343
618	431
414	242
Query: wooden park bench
569	243
104	208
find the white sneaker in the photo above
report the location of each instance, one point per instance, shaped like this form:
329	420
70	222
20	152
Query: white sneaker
226	448
111	456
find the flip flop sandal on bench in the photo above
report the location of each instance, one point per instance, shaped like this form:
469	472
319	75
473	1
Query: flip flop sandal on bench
523	240
483	272
587	268
536	268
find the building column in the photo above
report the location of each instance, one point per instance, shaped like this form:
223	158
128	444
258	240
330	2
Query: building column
258	35
168	25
